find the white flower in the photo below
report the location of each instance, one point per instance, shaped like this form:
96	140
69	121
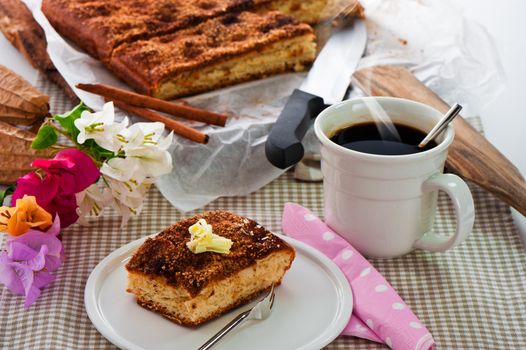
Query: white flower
124	211
92	201
145	150
151	161
100	127
127	196
143	156
140	134
123	169
130	192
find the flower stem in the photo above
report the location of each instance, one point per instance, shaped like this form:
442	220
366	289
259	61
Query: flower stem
60	130
60	146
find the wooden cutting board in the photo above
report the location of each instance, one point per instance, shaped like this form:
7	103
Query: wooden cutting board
471	155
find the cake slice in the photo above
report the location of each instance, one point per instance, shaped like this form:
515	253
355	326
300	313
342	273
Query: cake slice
100	26
219	52
188	288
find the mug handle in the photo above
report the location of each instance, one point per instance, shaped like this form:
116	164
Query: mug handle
460	195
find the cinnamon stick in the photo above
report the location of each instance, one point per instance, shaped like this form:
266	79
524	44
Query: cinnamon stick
178	128
138	100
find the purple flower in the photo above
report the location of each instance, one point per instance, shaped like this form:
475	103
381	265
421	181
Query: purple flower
27	263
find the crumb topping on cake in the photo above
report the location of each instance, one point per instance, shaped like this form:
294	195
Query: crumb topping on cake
121	21
217	39
167	256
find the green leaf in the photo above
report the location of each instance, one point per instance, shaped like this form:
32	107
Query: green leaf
46	137
67	120
9	190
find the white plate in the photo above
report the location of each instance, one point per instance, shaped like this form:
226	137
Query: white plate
312	306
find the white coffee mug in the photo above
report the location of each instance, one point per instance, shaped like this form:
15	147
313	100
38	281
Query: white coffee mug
385	205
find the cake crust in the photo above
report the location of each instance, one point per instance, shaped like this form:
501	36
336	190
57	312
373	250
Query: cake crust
174	48
147	64
99	26
189	319
166	256
189	322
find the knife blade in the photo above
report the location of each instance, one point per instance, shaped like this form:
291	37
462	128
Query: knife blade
326	83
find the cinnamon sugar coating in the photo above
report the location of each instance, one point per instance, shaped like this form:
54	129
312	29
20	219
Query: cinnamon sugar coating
107	24
167	256
217	39
100	26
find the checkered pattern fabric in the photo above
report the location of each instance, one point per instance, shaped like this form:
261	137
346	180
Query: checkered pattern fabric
472	297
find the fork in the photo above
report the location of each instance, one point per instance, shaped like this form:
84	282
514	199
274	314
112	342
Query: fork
260	311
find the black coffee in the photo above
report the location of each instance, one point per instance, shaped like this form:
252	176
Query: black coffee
377	139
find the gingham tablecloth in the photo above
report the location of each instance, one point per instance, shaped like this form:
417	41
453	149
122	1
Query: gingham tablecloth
473	297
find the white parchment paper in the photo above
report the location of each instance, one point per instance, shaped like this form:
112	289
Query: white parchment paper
451	55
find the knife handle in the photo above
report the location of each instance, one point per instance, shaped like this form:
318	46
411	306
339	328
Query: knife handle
283	147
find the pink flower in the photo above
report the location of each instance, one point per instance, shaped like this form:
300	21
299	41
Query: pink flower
26	265
70	172
75	169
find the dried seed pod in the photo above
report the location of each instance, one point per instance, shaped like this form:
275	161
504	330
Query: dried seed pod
20	28
20	102
16	153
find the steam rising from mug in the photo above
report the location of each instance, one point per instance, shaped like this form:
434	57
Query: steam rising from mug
383	122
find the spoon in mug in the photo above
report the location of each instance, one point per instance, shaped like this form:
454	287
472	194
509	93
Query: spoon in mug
441	125
308	169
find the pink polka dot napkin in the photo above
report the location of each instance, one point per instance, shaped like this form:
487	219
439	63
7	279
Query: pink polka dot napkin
379	314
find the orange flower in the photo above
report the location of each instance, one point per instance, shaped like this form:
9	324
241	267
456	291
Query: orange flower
27	214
